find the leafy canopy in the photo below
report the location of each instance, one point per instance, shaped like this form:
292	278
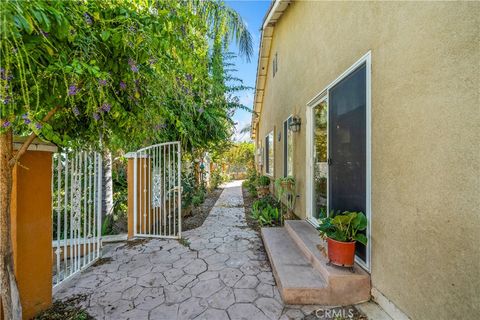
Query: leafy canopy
121	72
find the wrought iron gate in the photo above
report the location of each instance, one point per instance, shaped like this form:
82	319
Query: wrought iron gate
157	191
77	212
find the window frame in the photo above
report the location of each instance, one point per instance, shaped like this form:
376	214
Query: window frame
286	134
269	171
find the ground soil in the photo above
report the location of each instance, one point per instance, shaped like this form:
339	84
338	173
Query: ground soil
199	214
248	200
65	310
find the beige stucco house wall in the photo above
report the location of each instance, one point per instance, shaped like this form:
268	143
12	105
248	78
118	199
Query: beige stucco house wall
425	136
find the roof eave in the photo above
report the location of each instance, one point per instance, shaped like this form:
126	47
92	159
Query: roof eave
274	13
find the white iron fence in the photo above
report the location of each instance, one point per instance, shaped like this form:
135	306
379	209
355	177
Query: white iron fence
157	191
77	207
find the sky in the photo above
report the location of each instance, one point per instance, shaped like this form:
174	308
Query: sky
252	13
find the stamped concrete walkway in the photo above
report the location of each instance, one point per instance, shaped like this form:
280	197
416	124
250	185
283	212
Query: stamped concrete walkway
220	272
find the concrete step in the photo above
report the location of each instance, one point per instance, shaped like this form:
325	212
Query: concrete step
302	272
297	281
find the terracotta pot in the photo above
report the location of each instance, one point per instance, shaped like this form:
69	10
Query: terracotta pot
284	183
341	253
263	191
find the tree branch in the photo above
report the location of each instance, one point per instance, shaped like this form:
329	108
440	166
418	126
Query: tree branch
30	139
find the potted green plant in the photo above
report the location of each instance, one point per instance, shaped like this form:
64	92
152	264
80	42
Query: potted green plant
341	230
263	186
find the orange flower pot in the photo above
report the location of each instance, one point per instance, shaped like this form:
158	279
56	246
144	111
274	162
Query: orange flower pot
341	253
263	191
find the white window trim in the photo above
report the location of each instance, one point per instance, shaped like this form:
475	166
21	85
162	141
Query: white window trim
367	59
272	169
285	142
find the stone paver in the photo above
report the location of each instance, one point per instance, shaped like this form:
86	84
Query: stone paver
222	274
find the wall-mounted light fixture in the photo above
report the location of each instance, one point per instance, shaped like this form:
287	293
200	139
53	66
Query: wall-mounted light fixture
295	124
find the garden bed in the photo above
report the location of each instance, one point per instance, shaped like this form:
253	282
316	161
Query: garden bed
198	214
248	200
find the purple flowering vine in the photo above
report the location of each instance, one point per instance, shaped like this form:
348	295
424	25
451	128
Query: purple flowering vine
133	65
6	124
96	116
102	82
105	107
72	90
25	118
7	100
4	75
189	77
123	85
38	126
160	126
200	110
88	18
152	61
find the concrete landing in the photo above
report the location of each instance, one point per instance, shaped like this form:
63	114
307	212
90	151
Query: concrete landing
301	269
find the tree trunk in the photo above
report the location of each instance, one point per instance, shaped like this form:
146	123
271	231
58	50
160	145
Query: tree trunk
10	297
107	184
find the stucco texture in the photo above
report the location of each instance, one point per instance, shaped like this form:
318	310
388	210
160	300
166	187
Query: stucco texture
31	210
425	136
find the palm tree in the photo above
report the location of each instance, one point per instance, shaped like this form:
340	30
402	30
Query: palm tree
246	129
227	25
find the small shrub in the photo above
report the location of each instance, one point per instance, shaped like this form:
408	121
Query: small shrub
251	183
251	188
266	211
216	178
199	197
196	201
188	188
264	181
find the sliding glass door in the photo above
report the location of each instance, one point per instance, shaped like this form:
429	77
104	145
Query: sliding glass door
347	145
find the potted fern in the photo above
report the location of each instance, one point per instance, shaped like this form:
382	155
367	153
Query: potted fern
342	232
263	186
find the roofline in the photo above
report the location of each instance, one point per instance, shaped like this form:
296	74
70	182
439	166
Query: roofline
275	11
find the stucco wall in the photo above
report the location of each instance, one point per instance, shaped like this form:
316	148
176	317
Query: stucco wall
425	136
31	210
